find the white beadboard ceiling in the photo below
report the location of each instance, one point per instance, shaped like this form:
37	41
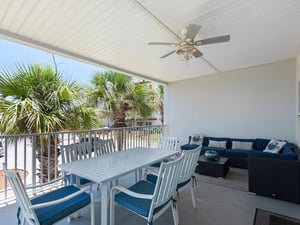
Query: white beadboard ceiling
114	33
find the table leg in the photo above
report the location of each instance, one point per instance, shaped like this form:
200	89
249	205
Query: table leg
104	203
139	174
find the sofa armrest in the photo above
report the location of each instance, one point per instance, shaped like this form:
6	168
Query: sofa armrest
278	178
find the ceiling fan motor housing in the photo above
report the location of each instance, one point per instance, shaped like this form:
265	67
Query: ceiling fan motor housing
185	49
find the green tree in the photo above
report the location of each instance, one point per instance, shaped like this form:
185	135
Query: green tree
119	95
37	99
161	103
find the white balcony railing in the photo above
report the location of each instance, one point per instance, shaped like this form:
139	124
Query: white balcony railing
36	156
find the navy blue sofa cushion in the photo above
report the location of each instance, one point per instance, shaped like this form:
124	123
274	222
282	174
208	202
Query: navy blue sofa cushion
287	152
261	143
274	155
288	148
237	152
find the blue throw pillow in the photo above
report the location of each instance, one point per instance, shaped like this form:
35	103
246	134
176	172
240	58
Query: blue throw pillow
261	143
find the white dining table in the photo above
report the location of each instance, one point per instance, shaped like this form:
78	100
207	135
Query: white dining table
106	168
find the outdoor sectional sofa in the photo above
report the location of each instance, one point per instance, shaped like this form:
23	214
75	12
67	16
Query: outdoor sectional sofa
254	147
269	174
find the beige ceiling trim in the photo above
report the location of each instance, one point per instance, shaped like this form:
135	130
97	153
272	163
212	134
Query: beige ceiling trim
56	50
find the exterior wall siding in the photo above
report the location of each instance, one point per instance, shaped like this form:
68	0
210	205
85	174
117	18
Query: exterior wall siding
248	103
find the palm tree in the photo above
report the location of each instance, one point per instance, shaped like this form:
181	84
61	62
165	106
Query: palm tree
119	95
37	99
161	103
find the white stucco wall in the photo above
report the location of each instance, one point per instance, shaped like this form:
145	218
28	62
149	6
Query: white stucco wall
298	98
298	67
253	102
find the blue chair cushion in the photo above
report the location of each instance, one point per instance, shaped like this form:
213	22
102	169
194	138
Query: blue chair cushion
51	214
152	178
157	165
188	147
72	179
138	205
182	184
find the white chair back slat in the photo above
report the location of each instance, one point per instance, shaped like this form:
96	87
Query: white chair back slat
109	146
84	150
168	143
98	149
166	182
76	151
189	164
22	198
163	193
104	146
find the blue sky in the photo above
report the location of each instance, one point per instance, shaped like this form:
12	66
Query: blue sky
12	53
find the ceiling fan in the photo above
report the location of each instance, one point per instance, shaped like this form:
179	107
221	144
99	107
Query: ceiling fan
186	48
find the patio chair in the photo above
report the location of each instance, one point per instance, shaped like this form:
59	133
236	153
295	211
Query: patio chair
149	200
72	152
104	146
165	143
168	143
50	207
186	178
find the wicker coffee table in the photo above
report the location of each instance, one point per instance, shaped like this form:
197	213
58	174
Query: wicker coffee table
213	168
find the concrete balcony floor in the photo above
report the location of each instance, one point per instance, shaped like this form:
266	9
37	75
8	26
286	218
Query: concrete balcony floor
215	205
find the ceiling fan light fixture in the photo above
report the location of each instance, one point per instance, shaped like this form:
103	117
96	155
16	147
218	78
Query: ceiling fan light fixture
185	55
185	51
187	47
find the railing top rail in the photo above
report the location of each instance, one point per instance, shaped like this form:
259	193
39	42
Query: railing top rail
76	131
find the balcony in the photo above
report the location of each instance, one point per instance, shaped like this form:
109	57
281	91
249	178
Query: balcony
214	203
36	156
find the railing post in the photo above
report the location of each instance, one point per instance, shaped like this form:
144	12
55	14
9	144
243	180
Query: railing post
33	181
148	136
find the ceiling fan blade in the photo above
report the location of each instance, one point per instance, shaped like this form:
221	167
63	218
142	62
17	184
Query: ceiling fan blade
192	31
197	53
213	40
162	43
170	53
